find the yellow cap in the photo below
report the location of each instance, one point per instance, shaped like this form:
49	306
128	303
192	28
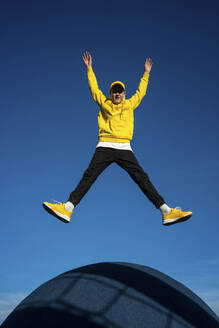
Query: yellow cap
117	82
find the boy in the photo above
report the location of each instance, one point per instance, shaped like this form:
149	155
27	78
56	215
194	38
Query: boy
116	123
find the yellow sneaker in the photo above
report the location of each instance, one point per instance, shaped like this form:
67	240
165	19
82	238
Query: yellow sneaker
175	216
59	211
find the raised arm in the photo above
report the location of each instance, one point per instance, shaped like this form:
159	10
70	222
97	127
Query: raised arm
142	88
96	93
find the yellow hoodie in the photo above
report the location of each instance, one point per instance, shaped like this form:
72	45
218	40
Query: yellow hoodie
116	122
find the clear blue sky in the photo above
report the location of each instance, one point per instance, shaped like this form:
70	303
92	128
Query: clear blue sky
49	133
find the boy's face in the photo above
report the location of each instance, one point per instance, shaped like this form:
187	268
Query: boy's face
117	94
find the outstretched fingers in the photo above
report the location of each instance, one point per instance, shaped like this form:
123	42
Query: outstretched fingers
148	65
87	58
148	61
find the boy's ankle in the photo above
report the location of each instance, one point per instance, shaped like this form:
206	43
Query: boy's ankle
69	206
165	209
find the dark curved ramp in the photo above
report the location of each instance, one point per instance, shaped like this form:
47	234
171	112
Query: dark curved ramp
119	295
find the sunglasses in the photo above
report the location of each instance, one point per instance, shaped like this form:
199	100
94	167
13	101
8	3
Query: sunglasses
118	89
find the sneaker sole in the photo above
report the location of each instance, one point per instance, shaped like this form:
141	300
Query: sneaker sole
61	217
177	220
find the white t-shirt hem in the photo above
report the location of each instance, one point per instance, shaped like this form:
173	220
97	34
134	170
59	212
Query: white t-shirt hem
115	145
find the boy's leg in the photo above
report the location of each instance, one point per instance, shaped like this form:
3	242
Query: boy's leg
63	211
127	160
99	162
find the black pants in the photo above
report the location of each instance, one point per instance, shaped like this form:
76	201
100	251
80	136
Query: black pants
102	158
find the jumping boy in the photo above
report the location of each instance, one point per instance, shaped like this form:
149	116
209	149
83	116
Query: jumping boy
116	123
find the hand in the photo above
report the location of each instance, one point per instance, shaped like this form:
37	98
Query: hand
148	65
87	59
